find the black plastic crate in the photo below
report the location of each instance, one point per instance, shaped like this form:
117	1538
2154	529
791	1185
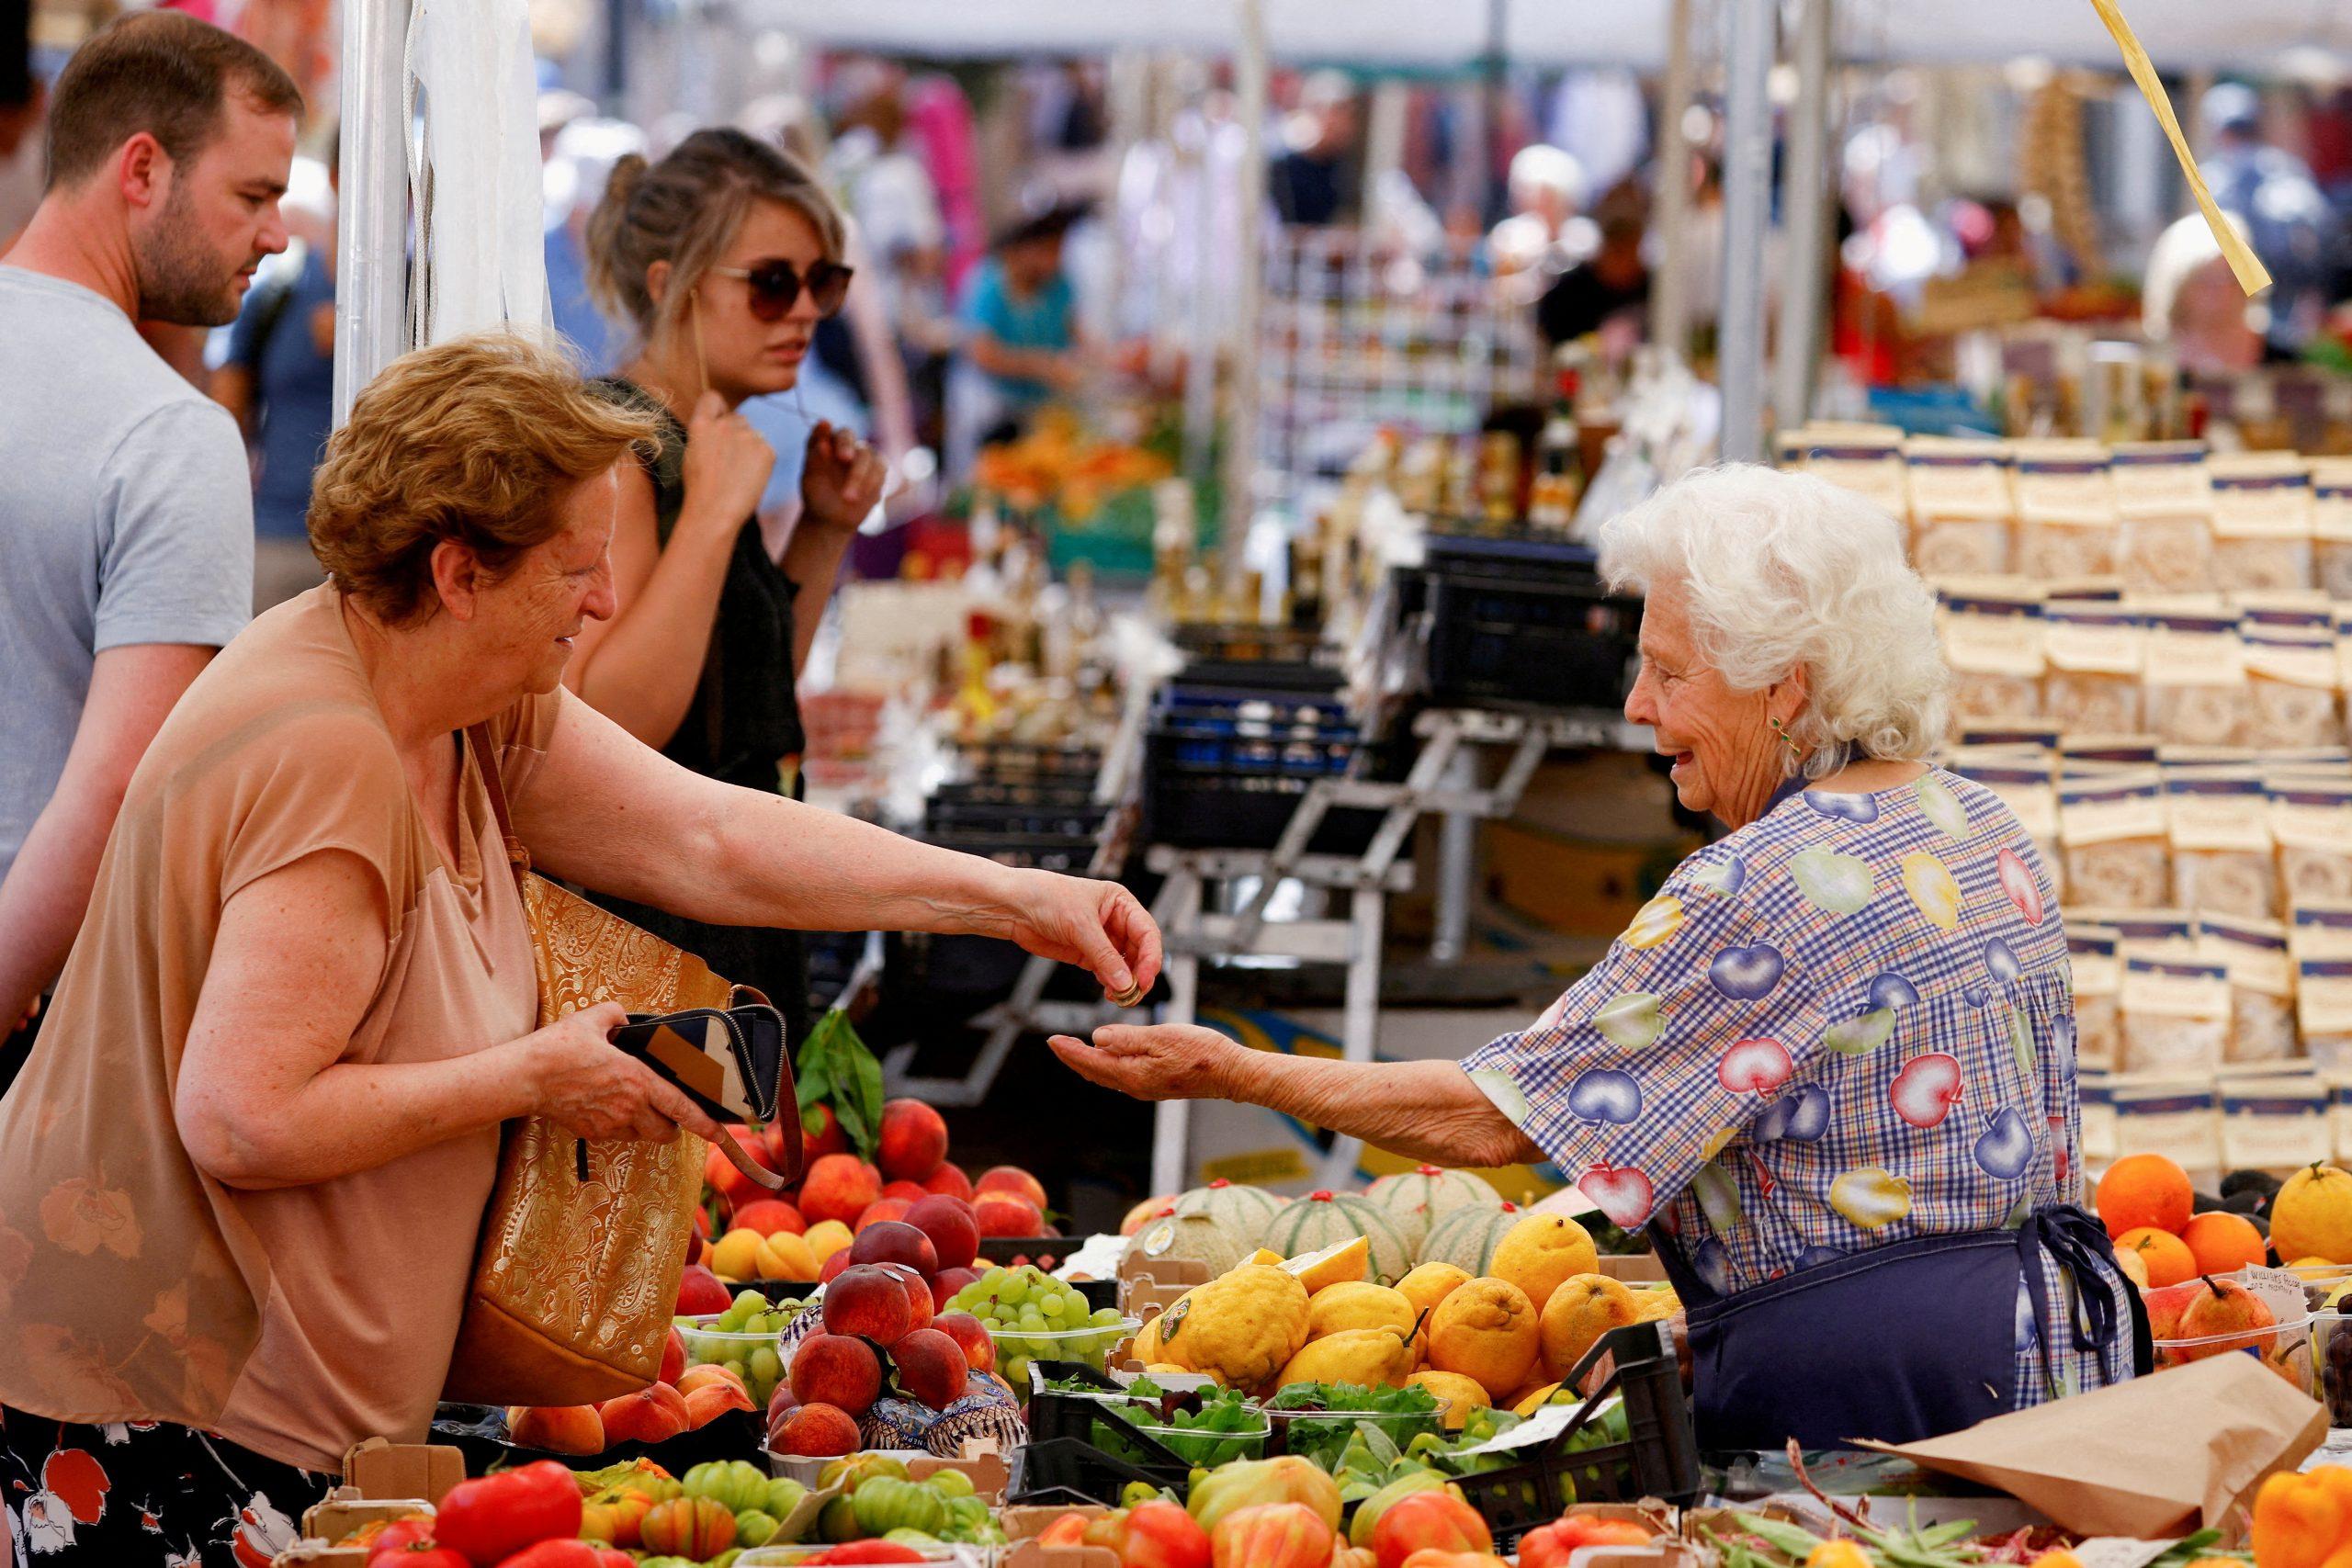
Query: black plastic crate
1659	1458
1207	790
1529	637
1062	1460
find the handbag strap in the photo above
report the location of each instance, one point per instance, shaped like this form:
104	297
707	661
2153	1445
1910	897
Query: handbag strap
485	755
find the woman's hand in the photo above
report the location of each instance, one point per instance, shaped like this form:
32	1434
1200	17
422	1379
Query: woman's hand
842	482
726	466
1097	925
1160	1061
591	1087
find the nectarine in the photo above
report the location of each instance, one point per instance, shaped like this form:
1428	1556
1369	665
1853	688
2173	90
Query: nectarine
769	1215
1013	1179
914	1140
835	1369
932	1367
895	1241
839	1188
969	1332
904	1191
712	1400
920	1302
652	1414
699	1292
954	1231
880	1209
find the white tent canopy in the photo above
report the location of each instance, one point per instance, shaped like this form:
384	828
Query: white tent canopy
1435	34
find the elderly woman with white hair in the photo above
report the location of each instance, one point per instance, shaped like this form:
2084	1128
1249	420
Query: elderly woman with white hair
1831	1063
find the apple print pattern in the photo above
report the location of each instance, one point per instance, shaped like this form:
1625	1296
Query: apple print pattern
1845	1025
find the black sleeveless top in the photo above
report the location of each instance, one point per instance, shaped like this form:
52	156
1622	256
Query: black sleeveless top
743	725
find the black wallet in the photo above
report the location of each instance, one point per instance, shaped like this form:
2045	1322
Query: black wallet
732	1063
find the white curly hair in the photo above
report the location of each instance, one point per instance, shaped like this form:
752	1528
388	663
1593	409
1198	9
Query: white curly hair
1783	571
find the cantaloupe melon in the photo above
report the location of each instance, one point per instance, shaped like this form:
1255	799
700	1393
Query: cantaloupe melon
1194	1238
1321	1219
1467	1238
1241	1213
1417	1200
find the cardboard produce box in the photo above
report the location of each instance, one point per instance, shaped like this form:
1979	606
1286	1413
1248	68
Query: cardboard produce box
1024	1522
382	1481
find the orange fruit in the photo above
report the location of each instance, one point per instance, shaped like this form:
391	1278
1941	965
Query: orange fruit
2223	1244
2145	1191
2168	1259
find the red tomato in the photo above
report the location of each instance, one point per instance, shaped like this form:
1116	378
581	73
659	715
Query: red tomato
490	1519
419	1554
557	1554
1161	1534
397	1534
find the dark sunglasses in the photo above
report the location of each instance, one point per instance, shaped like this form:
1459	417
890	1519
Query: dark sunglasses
776	284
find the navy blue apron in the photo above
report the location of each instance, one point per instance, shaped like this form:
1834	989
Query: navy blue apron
1897	1343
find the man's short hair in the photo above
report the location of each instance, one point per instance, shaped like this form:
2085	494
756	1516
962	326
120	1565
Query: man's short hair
161	72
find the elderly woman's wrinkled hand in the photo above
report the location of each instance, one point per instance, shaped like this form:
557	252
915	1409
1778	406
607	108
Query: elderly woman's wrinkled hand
1097	925
1162	1061
591	1087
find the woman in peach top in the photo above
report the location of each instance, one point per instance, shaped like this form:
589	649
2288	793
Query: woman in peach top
240	1178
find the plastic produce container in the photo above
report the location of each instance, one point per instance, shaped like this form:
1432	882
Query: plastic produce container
2290	1348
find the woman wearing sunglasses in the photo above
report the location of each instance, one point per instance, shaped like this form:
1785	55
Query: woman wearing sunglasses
722	258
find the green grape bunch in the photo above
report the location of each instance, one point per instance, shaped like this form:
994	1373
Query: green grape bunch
743	1338
1034	1316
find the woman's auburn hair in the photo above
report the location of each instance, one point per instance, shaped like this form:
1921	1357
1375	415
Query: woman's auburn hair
474	441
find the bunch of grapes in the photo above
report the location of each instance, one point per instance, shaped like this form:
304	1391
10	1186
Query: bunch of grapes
743	1338
1031	1316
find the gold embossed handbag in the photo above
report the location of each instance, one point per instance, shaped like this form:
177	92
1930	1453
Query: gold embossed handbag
584	1243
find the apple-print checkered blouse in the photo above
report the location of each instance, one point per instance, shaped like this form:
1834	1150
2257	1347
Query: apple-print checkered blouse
1847	1024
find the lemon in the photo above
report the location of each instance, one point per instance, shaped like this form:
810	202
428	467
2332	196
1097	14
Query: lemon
1357	1303
1485	1330
1460	1396
1147	1349
1242	1325
1266	1256
1336	1264
1585	1308
1540	1252
1656	1306
1369	1358
2311	1216
1425	1287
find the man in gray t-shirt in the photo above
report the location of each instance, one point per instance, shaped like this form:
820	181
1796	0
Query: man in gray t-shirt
126	518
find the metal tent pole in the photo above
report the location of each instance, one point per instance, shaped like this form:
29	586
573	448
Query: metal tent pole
1807	225
371	239
1748	201
1669	303
1241	455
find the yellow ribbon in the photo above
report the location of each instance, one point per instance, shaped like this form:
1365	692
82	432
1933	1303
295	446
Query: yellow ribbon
2252	276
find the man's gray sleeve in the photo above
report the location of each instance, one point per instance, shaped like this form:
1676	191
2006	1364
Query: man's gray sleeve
176	558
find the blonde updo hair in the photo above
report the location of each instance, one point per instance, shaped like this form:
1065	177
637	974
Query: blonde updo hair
686	211
475	442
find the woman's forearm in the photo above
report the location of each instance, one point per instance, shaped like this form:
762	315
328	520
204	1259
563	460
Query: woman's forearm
353	1117
644	668
783	863
1426	1111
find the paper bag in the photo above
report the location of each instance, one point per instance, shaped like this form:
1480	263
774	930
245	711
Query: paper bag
2156	1457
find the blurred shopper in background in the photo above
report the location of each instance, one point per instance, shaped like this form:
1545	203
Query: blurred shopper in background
1320	181
1022	347
126	557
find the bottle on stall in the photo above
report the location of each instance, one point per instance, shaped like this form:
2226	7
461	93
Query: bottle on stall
1307	575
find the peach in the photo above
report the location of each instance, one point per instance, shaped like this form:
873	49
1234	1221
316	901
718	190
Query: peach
920	1302
880	1210
699	1292
781	1405
785	1256
932	1365
1000	1214
913	1139
674	1357
832	1267
557	1428
950	1223
950	1179
710	1372
835	1369
868	1302
1013	1179
895	1241
712	1400
816	1431
827	1238
769	1215
734	1188
653	1414
980	1348
948	1282
839	1188
905	1191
